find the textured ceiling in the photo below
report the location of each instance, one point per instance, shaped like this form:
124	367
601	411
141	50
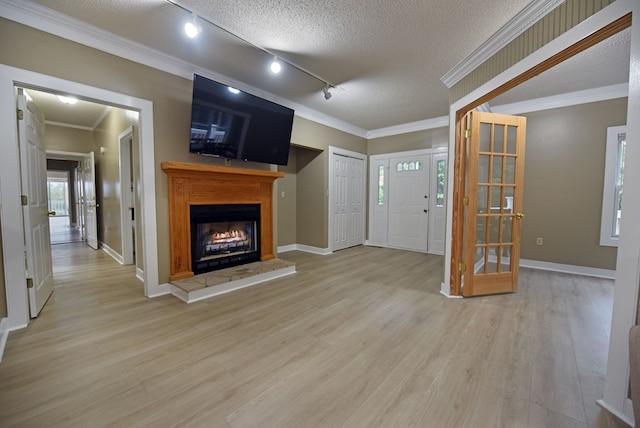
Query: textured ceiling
386	56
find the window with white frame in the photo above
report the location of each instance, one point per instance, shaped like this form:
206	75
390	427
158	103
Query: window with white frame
613	182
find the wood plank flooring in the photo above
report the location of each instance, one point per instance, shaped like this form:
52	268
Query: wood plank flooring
360	338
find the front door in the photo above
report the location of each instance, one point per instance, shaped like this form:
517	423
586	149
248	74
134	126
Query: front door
409	202
495	176
37	241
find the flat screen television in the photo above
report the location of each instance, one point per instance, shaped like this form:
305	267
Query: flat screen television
229	123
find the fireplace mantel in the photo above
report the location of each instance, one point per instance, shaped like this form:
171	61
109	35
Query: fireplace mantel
197	184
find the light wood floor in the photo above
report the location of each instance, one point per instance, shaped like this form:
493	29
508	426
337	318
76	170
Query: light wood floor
360	338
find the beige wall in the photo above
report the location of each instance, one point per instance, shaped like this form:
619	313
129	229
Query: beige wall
428	139
171	97
68	139
108	186
312	178
286	201
564	173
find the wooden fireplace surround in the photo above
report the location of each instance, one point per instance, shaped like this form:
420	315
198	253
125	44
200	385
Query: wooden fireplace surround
196	184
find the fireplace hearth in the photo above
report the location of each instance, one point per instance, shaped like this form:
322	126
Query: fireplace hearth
223	236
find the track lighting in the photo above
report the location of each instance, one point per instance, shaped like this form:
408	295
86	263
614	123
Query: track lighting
191	28
325	91
275	66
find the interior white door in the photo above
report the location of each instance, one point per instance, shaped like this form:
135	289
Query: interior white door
409	202
355	225
90	201
79	202
340	202
437	207
33	165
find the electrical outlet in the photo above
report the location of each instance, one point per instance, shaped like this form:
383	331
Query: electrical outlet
538	241
282	194
227	162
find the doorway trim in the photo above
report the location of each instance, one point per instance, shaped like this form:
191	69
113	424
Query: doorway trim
10	209
627	281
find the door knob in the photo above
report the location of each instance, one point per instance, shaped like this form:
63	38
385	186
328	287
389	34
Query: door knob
51	213
519	215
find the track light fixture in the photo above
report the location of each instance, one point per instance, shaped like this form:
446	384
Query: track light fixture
193	29
275	66
325	91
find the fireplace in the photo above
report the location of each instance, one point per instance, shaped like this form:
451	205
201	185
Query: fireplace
196	184
224	235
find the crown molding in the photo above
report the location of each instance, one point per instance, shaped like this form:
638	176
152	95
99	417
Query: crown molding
68	125
421	125
517	25
50	21
603	93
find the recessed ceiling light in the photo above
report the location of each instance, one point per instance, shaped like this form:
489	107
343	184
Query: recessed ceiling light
67	100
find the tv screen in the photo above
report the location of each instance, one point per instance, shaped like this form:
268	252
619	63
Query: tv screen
226	122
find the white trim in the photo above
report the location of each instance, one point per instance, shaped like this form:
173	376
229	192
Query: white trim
421	125
112	253
42	18
628	260
608	214
305	248
10	174
603	93
629	420
161	290
517	25
140	274
4	335
559	267
102	116
68	125
287	248
576	270
216	290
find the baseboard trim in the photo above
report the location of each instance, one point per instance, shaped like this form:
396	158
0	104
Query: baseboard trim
205	293
140	274
161	290
114	254
576	270
4	335
611	409
305	248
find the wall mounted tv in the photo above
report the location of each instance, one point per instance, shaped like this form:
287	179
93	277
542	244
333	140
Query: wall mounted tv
229	123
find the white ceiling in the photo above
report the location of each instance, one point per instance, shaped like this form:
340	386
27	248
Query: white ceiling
386	56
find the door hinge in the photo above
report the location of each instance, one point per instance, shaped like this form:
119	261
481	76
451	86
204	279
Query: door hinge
462	267
23	200
465	200
29	282
467	133
20	114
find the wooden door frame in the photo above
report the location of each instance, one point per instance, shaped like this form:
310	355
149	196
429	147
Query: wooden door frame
459	156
